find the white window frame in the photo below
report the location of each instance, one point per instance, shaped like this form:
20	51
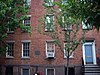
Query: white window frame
8	56
93	51
9	30
26	41
86	27
47	20
50	68
50	3
28	2
65	26
64	2
29	16
65	54
47	56
22	70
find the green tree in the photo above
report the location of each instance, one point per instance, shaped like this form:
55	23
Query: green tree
69	13
12	13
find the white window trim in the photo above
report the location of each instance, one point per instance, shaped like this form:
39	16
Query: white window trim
50	68
22	70
85	27
7	56
46	49
46	22
25	41
93	51
28	3
50	3
29	16
71	56
10	31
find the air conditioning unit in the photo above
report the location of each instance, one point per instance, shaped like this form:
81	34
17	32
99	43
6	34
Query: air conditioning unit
50	55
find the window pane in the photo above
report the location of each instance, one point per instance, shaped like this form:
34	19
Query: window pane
49	2
50	71
25	71
26	49
9	70
27	22
10	47
49	22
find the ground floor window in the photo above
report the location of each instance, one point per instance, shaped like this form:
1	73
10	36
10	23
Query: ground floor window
71	71
25	71
9	70
50	71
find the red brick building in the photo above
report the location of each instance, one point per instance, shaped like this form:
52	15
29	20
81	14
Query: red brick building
28	54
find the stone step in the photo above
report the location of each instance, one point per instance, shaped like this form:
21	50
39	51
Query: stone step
91	70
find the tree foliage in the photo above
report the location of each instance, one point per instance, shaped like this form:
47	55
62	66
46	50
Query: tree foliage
12	13
71	13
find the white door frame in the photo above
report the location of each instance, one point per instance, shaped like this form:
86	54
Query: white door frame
93	51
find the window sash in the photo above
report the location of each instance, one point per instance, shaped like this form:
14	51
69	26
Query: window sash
49	22
50	49
84	26
71	53
49	2
50	71
27	22
9	49
10	30
64	24
28	2
25	71
25	49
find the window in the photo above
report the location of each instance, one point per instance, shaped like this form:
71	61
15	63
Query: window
9	49
49	2
50	49
50	71
49	22
27	21
86	27
66	53
89	54
10	30
25	71
25	49
9	70
28	2
64	1
64	24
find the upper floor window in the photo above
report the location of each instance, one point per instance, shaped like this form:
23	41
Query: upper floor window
50	49
86	26
25	49
50	71
64	1
65	25
25	71
49	22
10	30
49	2
71	53
28	2
10	49
27	21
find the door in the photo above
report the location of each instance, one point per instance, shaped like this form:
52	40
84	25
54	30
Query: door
9	70
89	53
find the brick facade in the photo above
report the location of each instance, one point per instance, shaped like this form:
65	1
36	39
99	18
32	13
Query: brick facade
37	61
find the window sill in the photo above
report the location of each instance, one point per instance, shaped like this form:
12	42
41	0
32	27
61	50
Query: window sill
9	57
50	58
10	32
69	57
25	58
